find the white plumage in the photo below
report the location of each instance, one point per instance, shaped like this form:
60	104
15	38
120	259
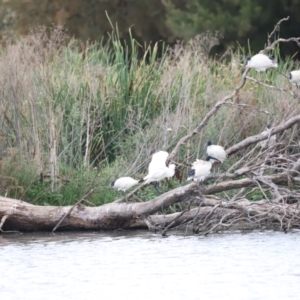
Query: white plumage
271	140
159	172
158	159
124	183
216	152
200	169
295	77
261	62
157	169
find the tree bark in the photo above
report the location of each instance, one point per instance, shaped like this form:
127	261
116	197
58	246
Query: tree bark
207	214
27	217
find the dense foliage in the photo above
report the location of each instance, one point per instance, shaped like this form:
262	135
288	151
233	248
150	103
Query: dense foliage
77	116
238	20
150	21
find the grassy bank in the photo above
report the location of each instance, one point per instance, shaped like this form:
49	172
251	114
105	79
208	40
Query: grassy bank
75	117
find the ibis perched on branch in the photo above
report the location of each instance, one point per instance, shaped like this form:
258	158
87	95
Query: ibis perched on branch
158	159
157	169
261	62
216	152
123	184
200	169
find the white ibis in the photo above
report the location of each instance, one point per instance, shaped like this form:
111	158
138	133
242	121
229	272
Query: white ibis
261	62
157	169
200	169
294	77
124	184
158	158
216	152
160	173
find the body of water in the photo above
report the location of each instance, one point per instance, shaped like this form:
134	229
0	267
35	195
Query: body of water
143	265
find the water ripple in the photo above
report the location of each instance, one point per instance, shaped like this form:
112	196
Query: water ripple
143	265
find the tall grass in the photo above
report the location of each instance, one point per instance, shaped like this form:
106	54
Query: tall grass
75	117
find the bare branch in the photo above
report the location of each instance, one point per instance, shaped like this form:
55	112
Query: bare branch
164	233
3	219
281	178
276	28
262	136
132	193
208	116
272	86
70	210
273	45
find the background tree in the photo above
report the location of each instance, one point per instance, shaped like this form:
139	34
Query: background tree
156	20
242	20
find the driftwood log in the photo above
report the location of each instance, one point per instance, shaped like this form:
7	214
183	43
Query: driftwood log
204	209
201	213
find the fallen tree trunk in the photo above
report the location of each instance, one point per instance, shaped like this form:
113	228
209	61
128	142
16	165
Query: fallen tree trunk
200	214
20	215
199	211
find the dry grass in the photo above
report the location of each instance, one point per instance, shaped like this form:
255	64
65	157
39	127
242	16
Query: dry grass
102	112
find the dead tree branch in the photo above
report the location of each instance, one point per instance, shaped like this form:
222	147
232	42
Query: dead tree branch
272	86
276	28
208	116
71	209
262	136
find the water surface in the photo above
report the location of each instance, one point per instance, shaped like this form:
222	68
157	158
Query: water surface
143	265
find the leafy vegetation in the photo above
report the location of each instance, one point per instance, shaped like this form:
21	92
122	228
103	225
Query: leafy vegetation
76	117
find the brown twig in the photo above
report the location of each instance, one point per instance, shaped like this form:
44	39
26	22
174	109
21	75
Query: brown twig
70	210
276	28
4	218
164	232
208	116
150	224
217	225
132	193
272	46
272	86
